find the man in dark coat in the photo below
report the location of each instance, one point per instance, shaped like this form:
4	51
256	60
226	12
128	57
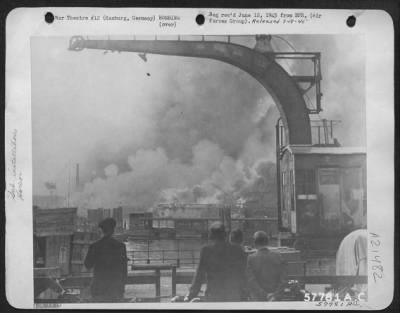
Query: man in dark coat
222	267
266	271
108	259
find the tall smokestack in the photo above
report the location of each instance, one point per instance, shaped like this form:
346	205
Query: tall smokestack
77	177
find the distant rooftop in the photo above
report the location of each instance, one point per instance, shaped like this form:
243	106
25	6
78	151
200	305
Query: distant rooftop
49	201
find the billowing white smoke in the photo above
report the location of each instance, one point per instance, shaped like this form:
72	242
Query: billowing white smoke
207	131
210	178
206	125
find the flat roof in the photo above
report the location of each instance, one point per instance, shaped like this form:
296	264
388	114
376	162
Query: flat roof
306	149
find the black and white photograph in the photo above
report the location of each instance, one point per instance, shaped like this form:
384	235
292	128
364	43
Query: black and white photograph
200	168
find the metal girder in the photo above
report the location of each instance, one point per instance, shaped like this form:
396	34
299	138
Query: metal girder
282	87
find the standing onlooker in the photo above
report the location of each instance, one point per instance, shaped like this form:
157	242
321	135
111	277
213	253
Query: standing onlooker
222	267
266	271
108	259
236	237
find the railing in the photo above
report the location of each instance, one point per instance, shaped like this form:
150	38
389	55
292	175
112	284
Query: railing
152	275
322	133
185	278
311	266
309	81
182	257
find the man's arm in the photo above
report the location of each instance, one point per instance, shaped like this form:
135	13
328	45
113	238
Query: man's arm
254	288
199	277
90	258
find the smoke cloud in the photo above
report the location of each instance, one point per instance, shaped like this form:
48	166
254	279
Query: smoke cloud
207	126
194	131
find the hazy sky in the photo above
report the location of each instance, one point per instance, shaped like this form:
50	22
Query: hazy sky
141	129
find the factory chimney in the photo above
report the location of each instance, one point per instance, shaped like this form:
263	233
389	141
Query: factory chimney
77	178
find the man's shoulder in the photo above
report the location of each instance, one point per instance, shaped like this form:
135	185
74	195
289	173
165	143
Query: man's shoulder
109	241
274	255
237	249
215	246
97	243
117	242
265	253
208	247
253	256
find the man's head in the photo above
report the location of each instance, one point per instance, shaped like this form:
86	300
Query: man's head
217	231
260	239
107	226
236	237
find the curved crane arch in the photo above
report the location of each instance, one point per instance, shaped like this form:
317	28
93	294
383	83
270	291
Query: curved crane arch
263	68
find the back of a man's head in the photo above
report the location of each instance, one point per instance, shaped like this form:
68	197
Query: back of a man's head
236	237
217	231
260	239
107	226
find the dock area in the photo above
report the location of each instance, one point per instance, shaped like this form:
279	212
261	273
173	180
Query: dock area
162	282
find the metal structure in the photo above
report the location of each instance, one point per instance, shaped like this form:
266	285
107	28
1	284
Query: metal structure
307	82
322	194
288	91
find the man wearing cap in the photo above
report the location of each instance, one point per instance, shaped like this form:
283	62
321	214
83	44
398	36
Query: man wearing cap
265	271
222	267
107	258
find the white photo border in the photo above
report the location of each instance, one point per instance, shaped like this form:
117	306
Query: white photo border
24	23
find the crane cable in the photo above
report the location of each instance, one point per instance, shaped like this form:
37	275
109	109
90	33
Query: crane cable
284	40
